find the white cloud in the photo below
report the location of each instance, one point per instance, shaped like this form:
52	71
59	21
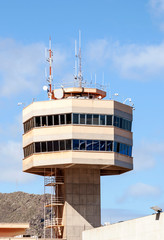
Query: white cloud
139	62
22	66
11	163
146	154
140	190
157	5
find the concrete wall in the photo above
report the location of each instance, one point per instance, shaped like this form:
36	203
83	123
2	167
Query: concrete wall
82	202
146	228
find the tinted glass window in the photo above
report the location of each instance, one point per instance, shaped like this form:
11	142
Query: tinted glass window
109	120
121	148
123	123
56	119
102	145
68	118
82	118
102	119
37	147
109	146
95	119
49	146
37	122
68	145
62	145
116	121
43	146
82	144
89	119
75	144
76	118
50	122
44	123
62	119
120	122
89	145
55	145
96	145
130	151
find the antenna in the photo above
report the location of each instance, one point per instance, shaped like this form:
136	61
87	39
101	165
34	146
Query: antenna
75	76
50	60
79	55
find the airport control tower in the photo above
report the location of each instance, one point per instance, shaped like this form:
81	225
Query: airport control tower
72	140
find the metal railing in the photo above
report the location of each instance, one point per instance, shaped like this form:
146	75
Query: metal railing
55	200
54	180
53	222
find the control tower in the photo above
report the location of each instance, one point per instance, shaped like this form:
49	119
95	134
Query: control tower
73	139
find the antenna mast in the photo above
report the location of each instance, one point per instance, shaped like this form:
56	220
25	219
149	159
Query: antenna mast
79	55
75	76
50	60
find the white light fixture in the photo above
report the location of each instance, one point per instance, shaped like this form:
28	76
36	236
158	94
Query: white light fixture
20	103
127	99
45	88
157	209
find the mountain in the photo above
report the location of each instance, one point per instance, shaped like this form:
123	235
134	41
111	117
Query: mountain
19	207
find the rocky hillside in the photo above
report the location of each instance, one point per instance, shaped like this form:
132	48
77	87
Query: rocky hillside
23	207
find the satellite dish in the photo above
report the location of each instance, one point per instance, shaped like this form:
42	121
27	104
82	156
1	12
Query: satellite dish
58	93
45	88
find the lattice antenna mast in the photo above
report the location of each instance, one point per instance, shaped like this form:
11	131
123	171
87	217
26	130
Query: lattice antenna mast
80	77
50	78
75	75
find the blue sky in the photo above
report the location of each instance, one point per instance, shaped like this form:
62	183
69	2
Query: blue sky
123	40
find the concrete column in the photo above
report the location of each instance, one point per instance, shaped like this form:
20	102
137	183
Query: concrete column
82	201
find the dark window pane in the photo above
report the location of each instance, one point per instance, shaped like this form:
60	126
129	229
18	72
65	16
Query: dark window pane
89	145
24	127
102	119
129	126
56	119
116	121
32	122
68	118
123	123
68	145
44	123
37	147
76	144
109	120
95	119
95	145
121	148
109	146
75	118
62	145
89	119
115	146
82	144
55	145
82	118
126	125
50	122
37	122
130	151
102	145
49	146
43	146
126	149
62	119
120	122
